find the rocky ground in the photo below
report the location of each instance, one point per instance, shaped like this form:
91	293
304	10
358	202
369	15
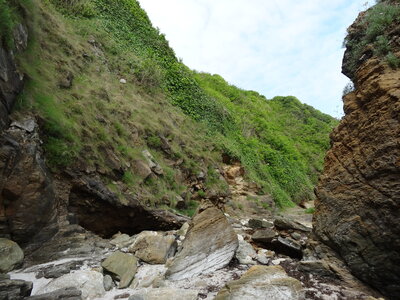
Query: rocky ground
214	256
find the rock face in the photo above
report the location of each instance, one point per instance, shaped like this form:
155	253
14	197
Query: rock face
358	196
262	282
209	245
11	255
11	81
26	188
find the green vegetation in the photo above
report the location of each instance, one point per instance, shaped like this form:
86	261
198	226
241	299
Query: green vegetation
7	22
98	123
375	29
310	210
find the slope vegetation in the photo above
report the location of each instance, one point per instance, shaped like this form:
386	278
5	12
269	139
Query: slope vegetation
106	86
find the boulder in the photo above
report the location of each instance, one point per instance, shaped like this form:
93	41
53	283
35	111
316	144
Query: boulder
152	163
263	236
245	253
71	293
257	223
262	282
287	247
108	282
141	169
123	266
153	247
210	244
90	283
285	224
164	293
122	240
15	289
11	255
316	267
148	276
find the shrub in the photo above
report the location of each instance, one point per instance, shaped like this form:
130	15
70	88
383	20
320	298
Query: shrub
393	60
7	22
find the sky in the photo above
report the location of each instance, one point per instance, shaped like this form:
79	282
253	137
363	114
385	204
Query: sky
274	47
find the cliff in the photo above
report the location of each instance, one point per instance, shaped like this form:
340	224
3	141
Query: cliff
358	195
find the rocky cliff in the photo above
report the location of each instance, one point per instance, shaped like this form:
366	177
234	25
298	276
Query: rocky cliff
358	195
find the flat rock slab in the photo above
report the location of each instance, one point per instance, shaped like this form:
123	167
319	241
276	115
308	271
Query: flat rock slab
121	265
90	283
264	236
71	293
210	244
153	247
11	255
164	294
262	282
285	224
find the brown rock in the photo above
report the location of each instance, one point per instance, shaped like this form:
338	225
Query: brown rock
358	195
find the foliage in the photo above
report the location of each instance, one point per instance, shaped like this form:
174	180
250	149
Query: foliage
7	22
310	210
373	30
280	142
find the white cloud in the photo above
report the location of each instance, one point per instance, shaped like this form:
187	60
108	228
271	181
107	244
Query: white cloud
276	47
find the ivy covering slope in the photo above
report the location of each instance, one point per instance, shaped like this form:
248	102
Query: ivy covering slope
280	142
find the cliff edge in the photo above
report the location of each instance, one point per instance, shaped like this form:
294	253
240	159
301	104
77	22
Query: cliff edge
358	195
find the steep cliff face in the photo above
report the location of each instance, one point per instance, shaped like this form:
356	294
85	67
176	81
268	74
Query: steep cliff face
358	196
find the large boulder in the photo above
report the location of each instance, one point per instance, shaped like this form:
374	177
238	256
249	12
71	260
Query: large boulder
210	244
358	195
153	247
11	255
123	266
262	282
90	283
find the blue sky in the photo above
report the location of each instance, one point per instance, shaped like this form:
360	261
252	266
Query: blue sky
275	47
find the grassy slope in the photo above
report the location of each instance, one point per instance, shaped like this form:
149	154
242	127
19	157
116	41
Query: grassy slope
280	142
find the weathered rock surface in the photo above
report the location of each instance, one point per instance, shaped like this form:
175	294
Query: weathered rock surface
26	188
90	283
285	223
209	245
121	265
245	253
164	293
262	282
11	255
15	289
153	247
11	80
71	293
358	196
263	236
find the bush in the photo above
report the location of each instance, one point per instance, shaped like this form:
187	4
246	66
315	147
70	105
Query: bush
7	23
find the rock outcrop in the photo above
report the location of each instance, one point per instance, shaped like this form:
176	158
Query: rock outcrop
11	80
358	205
26	188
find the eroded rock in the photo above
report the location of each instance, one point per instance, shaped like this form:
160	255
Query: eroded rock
209	245
153	247
123	266
15	289
11	255
262	282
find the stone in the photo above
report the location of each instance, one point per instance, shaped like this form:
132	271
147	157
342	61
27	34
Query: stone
262	282
357	210
153	165
287	247
122	240
108	283
141	169
210	244
263	236
123	266
165	293
316	267
71	293
122	80
148	276
90	283
11	255
28	125
285	224
245	253
15	289
153	247
257	223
